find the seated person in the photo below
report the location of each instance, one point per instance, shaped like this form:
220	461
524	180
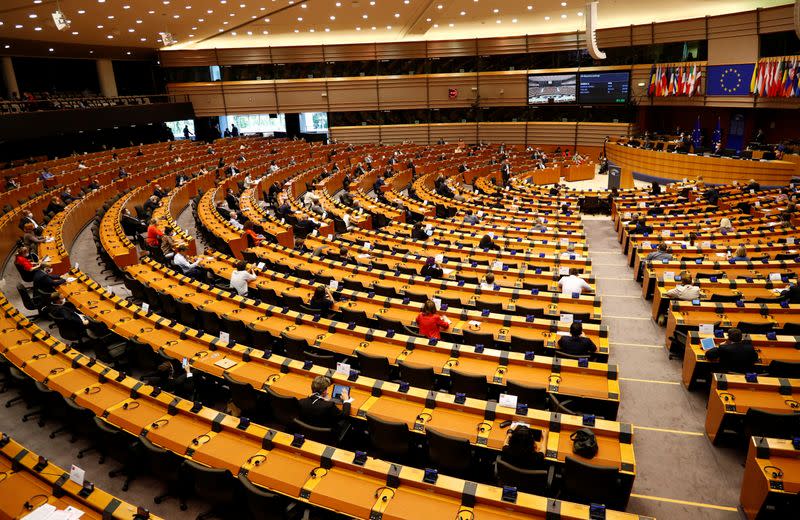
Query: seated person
131	225
471	218
488	282
168	242
64	312
735	355
686	291
25	260
27	217
322	299
640	226
539	224
240	276
418	232
576	343
253	238
520	449
165	378
44	282
55	206
153	234
234	221
573	283
740	255
32	238
725	225
67	195
185	264
430	323
661	253
319	410
791	293
159	192
487	243
150	205
431	268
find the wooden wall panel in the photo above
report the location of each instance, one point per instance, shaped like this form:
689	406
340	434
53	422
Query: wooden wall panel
244	56
356	134
198	58
551	133
352	94
452	132
594	134
450	48
305	95
557	42
505	45
776	19
394	134
252	97
499	89
300	54
681	30
351	52
614	37
439	85
733	25
402	92
205	97
401	50
642	34
509	133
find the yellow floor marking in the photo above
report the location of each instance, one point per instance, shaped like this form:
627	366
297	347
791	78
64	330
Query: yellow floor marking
649	381
667	430
684	502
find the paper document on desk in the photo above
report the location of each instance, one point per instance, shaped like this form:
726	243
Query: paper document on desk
474	323
706	329
508	400
225	364
447	271
43	512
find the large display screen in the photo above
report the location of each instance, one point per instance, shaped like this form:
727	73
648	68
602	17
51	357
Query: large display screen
551	88
604	87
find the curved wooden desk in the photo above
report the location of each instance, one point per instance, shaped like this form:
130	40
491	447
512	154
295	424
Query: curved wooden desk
715	170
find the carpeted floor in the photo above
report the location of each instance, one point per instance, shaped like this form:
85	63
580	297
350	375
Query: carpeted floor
680	474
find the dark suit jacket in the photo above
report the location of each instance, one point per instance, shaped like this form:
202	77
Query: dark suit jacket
734	357
318	411
46	283
576	346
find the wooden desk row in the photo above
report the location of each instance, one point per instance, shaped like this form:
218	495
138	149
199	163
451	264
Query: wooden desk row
320	475
595	384
697	368
732	396
25	485
771	483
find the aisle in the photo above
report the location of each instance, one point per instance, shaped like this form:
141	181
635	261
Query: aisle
680	474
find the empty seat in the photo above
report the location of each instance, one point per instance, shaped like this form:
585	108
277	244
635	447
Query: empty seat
449	454
469	384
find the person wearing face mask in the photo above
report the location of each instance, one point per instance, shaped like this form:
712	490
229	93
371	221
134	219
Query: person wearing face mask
44	282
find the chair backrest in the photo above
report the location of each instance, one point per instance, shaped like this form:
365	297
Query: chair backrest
523	345
421	377
27	276
452	455
214	485
534	396
320	358
376	367
25	296
755	328
389	438
243	395
790	369
526	480
590	483
212	323
284	408
325	435
472	385
478	338
359	317
761	423
161	462
261	504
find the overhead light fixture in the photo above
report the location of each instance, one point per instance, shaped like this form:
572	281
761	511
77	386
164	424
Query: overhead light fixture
166	38
62	24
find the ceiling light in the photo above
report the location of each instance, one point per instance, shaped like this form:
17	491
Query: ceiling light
142	39
110	36
234	33
462	13
364	16
373	27
372	3
427	19
397	15
18	26
299	18
327	29
266	20
176	16
126	7
297	30
580	13
389	27
436	25
37	28
563	16
201	20
111	17
497	21
303	6
495	11
530	7
358	28
131	30
338	4
439	6
75	33
99	26
451	24
311	30
81	11
333	17
33	16
51	49
128	53
563	4
264	32
6	46
138	21
513	20
547	18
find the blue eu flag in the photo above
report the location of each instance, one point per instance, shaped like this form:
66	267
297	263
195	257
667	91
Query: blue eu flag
729	80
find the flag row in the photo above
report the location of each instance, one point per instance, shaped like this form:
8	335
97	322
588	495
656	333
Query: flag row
776	78
675	80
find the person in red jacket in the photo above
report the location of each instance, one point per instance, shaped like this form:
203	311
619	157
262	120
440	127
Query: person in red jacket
430	323
153	234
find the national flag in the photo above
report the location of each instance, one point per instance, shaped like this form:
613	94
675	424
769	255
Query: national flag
717	137
698	79
754	80
652	86
729	80
697	137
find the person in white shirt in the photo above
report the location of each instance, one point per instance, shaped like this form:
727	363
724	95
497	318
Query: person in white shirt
182	262
273	167
573	283
234	221
570	254
240	276
249	182
686	291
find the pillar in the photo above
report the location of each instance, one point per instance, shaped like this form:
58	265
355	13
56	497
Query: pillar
10	77
105	75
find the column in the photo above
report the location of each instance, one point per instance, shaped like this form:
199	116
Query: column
105	75
10	77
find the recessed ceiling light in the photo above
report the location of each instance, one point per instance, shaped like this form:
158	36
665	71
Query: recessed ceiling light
513	20
81	11
547	18
563	16
33	16
131	30
51	49
297	30
18	26
126	7
373	27
495	10
364	16
303	6
210	11
110	36
439	6
530	7
358	28
266	20
338	4
142	39
234	33
264	32
75	33
99	26
327	29
427	19
463	13
128	53
201	20
299	18
225	22
311	30
176	16
37	28
389	27
397	15
333	17
436	25
580	13
6	46
138	21
498	21
563	4
451	25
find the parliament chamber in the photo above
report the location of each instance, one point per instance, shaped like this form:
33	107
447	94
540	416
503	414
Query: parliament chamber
460	260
